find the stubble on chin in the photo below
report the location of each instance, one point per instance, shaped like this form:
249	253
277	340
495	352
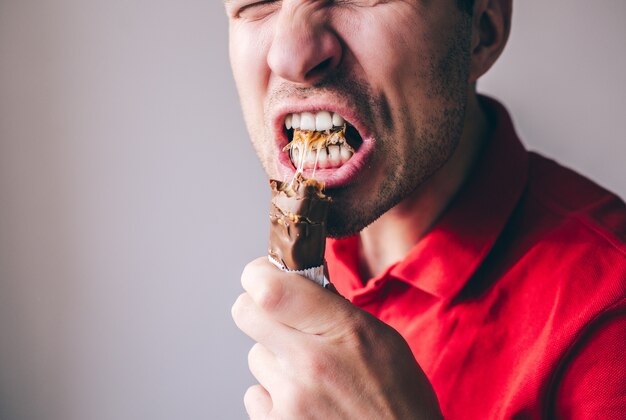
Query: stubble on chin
349	213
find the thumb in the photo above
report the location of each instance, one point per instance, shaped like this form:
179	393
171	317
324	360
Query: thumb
294	300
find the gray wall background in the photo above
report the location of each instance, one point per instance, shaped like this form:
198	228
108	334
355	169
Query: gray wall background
130	198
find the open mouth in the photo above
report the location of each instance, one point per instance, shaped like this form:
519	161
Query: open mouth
322	140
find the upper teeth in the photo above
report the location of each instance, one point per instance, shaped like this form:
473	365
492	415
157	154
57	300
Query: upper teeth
321	121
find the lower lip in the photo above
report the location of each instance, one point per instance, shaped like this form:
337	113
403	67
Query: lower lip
336	177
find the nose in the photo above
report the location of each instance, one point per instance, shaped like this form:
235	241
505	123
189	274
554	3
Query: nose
304	48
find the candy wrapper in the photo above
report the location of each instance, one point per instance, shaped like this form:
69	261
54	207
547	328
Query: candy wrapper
298	227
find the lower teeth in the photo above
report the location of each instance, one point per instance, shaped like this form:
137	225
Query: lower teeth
325	158
317	150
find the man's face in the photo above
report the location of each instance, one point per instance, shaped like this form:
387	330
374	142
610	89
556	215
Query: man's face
395	70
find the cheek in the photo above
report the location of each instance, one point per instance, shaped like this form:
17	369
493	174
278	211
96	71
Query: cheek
394	60
398	44
393	41
248	57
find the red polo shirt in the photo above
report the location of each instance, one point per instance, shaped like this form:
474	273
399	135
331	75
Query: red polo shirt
514	303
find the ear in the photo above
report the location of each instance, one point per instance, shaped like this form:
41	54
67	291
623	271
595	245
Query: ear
491	25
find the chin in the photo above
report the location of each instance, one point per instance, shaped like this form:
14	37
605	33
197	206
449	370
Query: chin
348	221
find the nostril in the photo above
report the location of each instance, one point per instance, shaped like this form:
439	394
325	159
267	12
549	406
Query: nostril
320	69
306	55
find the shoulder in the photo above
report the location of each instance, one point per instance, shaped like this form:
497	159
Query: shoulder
577	205
570	236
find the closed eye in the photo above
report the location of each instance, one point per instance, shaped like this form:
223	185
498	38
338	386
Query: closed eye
258	9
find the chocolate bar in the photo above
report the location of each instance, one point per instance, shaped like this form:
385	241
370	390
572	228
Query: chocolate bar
298	223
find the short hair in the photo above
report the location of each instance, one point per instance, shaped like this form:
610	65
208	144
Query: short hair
466	5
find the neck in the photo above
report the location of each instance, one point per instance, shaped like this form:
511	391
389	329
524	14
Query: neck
389	238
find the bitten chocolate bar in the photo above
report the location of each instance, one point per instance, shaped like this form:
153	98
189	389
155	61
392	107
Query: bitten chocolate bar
298	223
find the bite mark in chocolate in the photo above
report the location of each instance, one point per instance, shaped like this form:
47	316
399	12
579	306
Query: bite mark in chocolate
298	223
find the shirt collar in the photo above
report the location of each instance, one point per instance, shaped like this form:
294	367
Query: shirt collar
443	261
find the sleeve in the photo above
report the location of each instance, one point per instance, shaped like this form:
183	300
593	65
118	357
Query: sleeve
593	385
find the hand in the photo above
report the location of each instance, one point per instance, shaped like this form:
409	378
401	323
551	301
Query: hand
319	356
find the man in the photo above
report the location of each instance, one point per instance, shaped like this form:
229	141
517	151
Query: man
480	281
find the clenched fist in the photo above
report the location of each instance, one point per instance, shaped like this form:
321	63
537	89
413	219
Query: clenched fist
319	356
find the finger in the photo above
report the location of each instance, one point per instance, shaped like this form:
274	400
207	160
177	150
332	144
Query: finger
265	367
259	326
294	300
333	289
330	286
258	402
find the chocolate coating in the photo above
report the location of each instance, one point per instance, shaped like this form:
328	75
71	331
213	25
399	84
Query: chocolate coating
298	223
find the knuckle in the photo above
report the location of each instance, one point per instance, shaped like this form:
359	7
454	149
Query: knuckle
371	339
249	397
253	353
236	309
358	329
248	273
264	286
362	335
251	400
251	271
270	293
